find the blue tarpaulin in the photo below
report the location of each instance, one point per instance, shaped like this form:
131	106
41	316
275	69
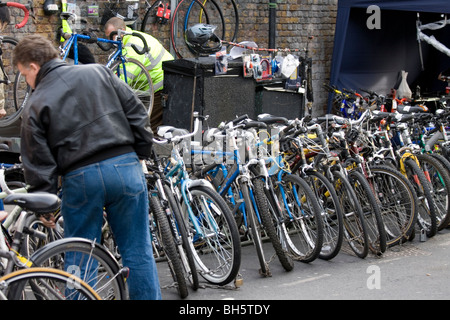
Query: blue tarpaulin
372	58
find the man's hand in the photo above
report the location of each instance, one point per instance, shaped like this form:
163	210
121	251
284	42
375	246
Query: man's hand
48	220
2	112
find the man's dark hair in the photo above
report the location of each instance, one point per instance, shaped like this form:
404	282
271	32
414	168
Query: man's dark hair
34	48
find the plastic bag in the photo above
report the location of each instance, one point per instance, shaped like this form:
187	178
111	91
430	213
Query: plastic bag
403	90
290	64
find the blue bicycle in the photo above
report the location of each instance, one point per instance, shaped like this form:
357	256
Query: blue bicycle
245	186
130	70
211	228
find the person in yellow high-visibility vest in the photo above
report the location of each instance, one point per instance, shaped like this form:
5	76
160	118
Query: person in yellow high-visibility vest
152	60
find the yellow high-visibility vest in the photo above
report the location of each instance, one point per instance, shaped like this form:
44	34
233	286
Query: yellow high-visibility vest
152	60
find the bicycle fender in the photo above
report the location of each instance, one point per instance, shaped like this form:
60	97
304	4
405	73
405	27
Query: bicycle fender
199	182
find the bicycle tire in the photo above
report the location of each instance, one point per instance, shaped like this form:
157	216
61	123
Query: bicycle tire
16	90
173	20
219	11
24	284
302	217
268	221
354	224
222	269
188	262
398	203
170	250
426	217
138	83
147	22
439	177
372	213
255	230
331	214
54	255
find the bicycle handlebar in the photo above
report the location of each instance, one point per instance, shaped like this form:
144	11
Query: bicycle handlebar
134	34
23	7
176	139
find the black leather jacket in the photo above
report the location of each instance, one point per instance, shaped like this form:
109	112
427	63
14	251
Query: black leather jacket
79	115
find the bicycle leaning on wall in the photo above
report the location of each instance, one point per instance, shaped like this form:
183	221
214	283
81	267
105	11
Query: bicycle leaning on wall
14	90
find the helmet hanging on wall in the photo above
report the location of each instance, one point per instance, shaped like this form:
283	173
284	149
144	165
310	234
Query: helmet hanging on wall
201	39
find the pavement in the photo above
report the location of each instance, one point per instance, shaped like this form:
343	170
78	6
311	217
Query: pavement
416	270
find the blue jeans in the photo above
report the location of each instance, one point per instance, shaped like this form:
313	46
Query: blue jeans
118	185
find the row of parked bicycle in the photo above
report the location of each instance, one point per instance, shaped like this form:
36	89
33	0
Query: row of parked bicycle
306	185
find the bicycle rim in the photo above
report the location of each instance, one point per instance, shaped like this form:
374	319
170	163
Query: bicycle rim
185	250
302	217
217	247
426	217
354	224
88	261
140	81
372	214
331	214
165	238
47	284
16	90
255	230
439	179
398	203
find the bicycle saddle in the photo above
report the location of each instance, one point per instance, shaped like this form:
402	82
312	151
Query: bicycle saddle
40	203
411	109
270	119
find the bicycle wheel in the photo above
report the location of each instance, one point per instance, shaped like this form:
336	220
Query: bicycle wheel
268	218
439	178
164	239
46	284
255	229
302	216
215	238
13	85
137	77
185	250
398	203
371	210
333	230
355	230
427	209
89	261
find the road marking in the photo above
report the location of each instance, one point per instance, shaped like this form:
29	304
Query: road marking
326	275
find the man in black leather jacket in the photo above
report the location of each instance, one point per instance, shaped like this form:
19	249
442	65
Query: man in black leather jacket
86	125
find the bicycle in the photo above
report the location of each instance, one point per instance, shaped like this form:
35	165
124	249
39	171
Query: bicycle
327	163
298	212
169	236
130	70
13	86
96	266
245	186
34	283
160	12
212	231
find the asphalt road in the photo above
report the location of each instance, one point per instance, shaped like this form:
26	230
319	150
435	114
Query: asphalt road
415	270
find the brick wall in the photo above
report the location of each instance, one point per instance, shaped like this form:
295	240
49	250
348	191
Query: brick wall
296	20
